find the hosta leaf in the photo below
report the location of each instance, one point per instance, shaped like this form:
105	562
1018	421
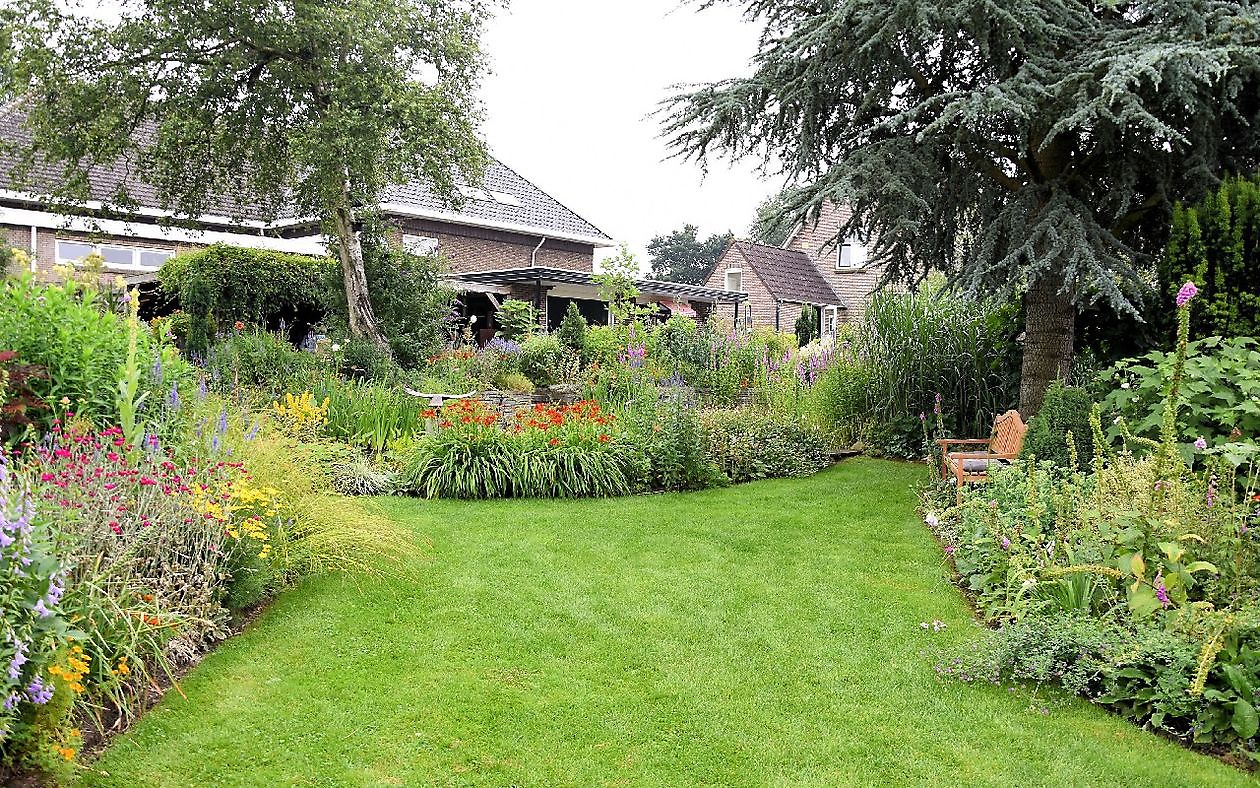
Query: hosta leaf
1245	722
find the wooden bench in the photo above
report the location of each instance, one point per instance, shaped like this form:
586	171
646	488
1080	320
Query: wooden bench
1001	447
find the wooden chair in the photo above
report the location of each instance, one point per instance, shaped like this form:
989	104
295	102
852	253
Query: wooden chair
1001	447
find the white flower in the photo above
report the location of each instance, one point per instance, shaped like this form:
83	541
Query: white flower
937	626
1028	584
1124	385
931	519
923	625
335	347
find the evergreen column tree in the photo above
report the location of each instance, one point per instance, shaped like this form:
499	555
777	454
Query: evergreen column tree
1032	147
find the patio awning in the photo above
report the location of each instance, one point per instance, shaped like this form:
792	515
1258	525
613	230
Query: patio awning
562	276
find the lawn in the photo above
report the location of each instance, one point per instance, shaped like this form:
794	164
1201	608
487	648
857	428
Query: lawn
760	635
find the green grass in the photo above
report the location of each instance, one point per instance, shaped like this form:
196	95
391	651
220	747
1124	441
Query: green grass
760	635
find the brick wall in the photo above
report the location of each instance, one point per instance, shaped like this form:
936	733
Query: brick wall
479	249
818	241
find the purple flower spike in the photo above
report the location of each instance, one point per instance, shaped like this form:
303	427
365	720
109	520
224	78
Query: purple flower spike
1186	293
1161	592
1200	444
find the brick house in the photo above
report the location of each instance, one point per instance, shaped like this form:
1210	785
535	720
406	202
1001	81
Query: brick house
810	269
508	238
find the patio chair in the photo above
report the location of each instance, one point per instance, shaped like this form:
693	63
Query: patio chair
1001	448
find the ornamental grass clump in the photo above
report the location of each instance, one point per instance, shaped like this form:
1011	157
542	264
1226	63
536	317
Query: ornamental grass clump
1144	571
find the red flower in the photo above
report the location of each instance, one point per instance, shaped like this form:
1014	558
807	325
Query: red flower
238	325
604	438
554	441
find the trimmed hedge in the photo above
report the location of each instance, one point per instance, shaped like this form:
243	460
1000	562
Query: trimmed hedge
222	284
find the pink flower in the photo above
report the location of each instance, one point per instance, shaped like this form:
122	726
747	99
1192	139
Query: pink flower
1200	444
1187	292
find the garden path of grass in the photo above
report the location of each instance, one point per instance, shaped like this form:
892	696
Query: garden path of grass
761	635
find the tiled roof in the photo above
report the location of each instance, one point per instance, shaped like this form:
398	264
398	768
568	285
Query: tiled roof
536	208
525	208
107	183
788	274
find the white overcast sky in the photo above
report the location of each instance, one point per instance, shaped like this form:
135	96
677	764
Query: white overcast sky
568	101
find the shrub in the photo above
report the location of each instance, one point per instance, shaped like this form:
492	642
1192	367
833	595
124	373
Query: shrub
366	360
259	360
517	319
514	382
412	304
1064	410
747	444
60	329
1215	243
19	405
603	344
543	360
807	325
221	285
572	333
672	443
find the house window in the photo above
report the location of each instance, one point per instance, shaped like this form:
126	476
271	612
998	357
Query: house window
735	280
830	319
420	245
115	255
851	255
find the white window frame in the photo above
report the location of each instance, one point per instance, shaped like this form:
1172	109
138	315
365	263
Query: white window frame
739	272
829	317
135	251
422	245
856	251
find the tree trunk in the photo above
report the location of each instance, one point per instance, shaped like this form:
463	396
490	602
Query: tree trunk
358	304
1049	334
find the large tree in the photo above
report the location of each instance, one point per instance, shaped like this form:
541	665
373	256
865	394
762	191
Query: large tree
771	225
682	256
1026	146
314	106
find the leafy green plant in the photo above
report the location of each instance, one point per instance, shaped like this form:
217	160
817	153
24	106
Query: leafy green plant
258	361
517	319
64	330
372	416
1221	386
920	345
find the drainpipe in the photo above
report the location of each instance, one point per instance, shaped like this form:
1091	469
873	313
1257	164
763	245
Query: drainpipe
778	309
533	256
34	248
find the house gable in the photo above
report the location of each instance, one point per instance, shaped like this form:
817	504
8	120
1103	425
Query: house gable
818	240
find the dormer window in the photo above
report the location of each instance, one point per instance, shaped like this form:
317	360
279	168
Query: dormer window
851	255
